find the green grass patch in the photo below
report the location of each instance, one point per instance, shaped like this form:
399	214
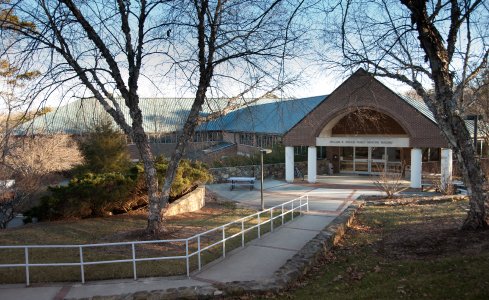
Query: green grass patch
122	228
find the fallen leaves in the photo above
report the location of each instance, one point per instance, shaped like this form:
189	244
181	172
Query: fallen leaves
354	273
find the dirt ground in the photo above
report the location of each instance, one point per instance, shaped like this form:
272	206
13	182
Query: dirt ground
433	238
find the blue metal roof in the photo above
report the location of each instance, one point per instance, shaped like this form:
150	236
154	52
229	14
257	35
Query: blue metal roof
159	115
275	117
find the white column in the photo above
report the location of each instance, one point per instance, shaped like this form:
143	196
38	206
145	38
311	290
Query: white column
311	164
416	167
446	167
289	164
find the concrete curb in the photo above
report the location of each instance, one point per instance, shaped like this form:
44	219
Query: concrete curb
414	200
290	272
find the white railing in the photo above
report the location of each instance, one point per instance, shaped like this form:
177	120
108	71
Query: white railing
291	207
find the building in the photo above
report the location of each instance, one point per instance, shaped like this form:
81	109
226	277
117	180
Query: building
362	127
368	128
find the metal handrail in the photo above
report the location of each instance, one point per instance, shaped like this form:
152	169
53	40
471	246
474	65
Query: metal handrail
303	202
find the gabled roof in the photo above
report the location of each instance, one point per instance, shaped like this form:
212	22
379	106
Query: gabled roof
276	117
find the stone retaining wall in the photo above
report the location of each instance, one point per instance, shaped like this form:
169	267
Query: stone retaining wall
193	201
273	171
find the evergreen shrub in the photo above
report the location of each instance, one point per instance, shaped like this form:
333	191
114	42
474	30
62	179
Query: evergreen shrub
100	194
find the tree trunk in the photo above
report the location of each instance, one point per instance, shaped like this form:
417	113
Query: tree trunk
206	71
183	139
453	126
154	218
444	104
475	180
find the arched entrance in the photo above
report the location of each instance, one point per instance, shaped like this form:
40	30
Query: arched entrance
365	141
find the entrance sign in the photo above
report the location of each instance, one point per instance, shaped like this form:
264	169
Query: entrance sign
348	141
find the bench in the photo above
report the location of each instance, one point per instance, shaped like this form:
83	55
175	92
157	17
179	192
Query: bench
246	181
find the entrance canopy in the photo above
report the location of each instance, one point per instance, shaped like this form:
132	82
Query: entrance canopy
364	112
368	129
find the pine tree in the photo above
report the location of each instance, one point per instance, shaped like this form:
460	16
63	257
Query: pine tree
104	149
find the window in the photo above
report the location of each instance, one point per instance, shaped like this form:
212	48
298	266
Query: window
482	148
214	136
300	150
246	139
431	154
162	138
207	136
266	140
198	137
346	153
321	152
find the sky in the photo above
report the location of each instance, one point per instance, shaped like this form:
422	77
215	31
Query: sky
314	82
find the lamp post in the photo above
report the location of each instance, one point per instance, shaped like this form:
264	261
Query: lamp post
262	152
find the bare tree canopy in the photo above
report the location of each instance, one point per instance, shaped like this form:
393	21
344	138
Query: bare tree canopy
105	48
440	45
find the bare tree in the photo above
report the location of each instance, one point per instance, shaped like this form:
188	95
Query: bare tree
29	164
425	44
105	47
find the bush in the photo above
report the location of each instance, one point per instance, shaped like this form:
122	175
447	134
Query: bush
189	175
390	183
88	195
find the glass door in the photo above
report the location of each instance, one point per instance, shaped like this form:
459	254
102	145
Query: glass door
394	164
377	159
346	159
362	160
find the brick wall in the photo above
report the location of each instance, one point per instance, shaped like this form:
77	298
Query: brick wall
193	150
273	171
247	150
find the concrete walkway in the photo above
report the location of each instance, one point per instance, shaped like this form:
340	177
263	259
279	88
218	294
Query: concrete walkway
258	259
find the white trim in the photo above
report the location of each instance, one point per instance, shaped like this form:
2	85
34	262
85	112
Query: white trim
361	141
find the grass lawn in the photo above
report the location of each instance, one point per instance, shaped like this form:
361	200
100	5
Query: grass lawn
403	252
129	227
